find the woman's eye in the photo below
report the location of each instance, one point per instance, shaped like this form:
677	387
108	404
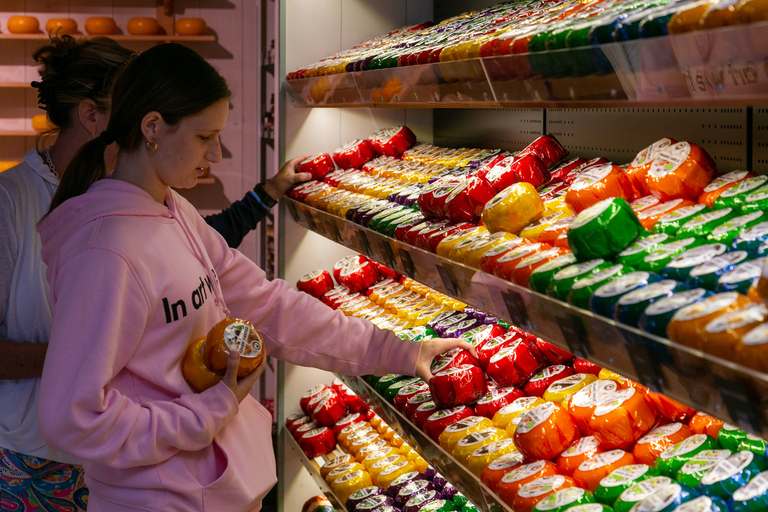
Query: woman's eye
204	138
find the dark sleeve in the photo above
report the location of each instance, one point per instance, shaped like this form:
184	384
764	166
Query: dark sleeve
242	216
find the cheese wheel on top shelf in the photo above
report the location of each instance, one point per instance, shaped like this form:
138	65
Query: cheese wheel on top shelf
513	208
603	302
720	184
682	170
723	336
641	164
541	276
596	184
636	252
734	196
657	315
603	230
688	324
704	223
730	474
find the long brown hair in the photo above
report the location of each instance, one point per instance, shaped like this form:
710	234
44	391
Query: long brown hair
170	79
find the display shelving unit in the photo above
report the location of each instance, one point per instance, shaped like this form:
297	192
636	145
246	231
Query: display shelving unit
712	95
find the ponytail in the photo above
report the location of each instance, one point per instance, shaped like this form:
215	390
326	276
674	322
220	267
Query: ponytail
85	168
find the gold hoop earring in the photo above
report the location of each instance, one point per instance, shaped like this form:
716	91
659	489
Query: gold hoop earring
151	146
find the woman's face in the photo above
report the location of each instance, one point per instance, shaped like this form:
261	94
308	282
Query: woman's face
184	150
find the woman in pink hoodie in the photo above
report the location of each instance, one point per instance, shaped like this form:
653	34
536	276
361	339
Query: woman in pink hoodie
136	275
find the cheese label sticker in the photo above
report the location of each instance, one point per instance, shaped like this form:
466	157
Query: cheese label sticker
719	263
623	284
421	498
645	488
757	336
601	460
660	499
682	213
523	472
519	253
745	186
700	504
543	485
343	468
653	290
684	446
549	371
373	502
502	247
362	494
583	445
478	437
644	244
757	195
704	461
535	417
659	209
591	212
758	486
668	160
591	176
432	506
698	255
244	339
729	467
530	260
706	218
725	179
521	404
674	302
736	223
506	461
413	487
745	271
597	277
494	447
407	477
336	461
354	475
397	466
561	498
614	401
660	433
624	475
651	152
758	231
566	383
563	261
643	203
594	393
750	314
495	394
577	269
706	306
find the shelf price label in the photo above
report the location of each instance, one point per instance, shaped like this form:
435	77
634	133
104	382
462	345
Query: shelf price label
740	404
365	245
518	313
575	335
449	283
407	263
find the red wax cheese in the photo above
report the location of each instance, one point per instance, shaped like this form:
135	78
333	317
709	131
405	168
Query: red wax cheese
458	386
316	283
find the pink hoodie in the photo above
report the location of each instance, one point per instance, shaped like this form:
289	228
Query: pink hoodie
133	282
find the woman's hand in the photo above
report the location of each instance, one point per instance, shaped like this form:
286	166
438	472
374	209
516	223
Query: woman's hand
241	387
434	347
282	182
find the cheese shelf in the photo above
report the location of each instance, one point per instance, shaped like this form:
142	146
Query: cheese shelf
312	467
459	476
707	383
703	68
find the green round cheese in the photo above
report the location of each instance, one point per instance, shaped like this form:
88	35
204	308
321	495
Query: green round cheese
733	438
666	499
562	281
680	267
726	232
637	251
416	334
603	301
621	479
392	390
671	222
756	201
630	307
673	458
665	253
541	277
583	288
703	504
737	194
658	315
708	273
603	230
753	496
728	475
641	490
383	384
564	499
741	277
704	223
699	465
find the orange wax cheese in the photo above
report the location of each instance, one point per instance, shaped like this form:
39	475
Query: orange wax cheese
688	323
622	418
499	468
703	423
649	447
682	171
720	184
641	164
590	472
545	431
533	492
582	404
521	475
597	183
580	451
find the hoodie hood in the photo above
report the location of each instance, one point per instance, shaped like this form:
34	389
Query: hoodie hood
114	198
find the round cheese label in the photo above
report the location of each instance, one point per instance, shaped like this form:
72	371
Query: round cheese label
543	485
563	261
524	472
758	486
669	159
521	404
700	504
494	447
445	413
644	488
241	337
749	314
659	209
706	306
706	218
477	437
644	244
729	467
653	290
614	401
749	270
659	500
736	223
593	394
593	211
718	263
591	175
519	252
624	475
583	445
674	302
623	284
597	277
549	371
660	432
413	487
704	461
496	394
506	461
393	467
421	498
373	502
684	446
566	383
685	212
755	232
757	336
757	195
601	460
651	152
643	203
561	498
407	477
698	255
725	179
745	186
536	416
354	475
362	494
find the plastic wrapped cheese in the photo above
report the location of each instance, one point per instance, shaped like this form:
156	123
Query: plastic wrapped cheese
730	474
603	230
707	274
590	472
507	264
699	465
440	419
603	302
682	170
541	276
479	460
346	485
688	324
515	363
650	217
354	154
318	166
636	252
650	446
734	196
596	184
547	148
561	389
582	404
474	252
672	459
752	496
468	444
545	431
540	382
537	227
658	315
722	336
454	432
513	480
500	467
638	492
580	451
583	289
513	208
619	480
495	399
622	418
641	164
720	184
530	494
317	441
489	260
508	413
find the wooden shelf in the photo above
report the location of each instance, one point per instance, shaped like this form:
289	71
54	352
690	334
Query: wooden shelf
116	37
18	133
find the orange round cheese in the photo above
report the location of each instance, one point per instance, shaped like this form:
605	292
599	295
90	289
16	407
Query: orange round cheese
702	423
623	418
545	431
722	335
195	370
234	334
682	171
582	404
533	492
649	447
580	451
641	164
100	26
498	468
597	183
688	323
511	483
590	472
60	26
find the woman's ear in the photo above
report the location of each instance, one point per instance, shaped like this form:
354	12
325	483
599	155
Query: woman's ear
88	115
151	125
